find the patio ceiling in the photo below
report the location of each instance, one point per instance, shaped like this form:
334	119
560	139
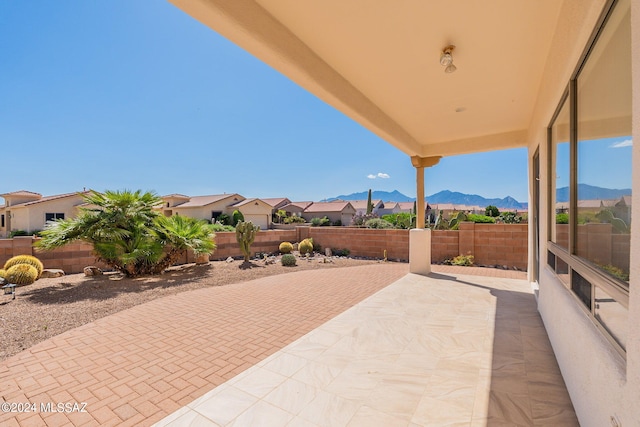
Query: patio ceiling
378	62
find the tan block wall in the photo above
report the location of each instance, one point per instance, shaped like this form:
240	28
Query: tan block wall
491	244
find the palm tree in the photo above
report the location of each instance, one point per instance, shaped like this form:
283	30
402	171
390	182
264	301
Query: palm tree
127	233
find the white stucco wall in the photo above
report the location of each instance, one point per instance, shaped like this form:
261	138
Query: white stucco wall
600	382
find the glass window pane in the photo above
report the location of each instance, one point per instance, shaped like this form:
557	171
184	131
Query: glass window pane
560	183
612	315
604	149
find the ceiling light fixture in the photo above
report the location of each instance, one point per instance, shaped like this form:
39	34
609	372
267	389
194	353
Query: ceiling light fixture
446	59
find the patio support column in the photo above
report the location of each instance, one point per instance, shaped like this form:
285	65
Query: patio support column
420	237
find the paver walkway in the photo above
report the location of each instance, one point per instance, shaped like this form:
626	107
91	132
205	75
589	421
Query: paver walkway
139	365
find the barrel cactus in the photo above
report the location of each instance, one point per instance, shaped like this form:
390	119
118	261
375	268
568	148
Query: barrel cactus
306	246
21	274
25	259
3	273
285	247
288	260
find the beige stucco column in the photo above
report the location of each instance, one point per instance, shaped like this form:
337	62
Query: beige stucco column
420	237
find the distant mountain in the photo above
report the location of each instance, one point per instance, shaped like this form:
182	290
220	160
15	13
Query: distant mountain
445	196
456	198
591	192
385	196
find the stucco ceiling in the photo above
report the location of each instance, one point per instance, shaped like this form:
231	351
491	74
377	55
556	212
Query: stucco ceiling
378	62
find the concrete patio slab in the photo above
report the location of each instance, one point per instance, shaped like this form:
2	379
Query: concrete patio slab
442	350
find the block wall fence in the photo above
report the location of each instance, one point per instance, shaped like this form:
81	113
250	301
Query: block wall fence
490	244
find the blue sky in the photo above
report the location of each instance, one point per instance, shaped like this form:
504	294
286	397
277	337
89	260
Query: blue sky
136	94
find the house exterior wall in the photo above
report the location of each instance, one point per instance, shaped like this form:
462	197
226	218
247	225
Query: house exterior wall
603	385
31	218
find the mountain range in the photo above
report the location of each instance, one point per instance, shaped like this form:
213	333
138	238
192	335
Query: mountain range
444	196
585	191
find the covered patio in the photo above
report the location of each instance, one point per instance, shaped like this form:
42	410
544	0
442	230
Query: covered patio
440	79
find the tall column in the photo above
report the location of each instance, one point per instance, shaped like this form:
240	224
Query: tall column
419	197
420	237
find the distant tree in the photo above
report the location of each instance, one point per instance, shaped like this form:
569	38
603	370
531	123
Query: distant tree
369	204
491	211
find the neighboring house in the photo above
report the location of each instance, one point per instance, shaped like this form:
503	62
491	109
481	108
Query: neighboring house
208	208
361	206
335	211
29	211
407	206
296	208
255	210
276	204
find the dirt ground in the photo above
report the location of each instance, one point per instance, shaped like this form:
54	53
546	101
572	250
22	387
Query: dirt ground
52	306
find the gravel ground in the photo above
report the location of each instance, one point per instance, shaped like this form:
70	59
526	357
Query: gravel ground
51	306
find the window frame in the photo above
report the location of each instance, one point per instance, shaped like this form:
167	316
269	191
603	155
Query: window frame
614	287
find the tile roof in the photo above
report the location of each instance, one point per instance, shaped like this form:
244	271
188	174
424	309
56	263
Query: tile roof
22	193
275	201
299	205
329	206
49	198
175	196
361	204
199	201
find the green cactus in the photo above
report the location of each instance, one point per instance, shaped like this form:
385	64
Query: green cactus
3	273
306	246
245	235
454	223
25	259
288	260
285	247
22	274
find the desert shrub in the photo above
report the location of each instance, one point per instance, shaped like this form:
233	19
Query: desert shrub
285	247
22	274
562	218
293	219
463	260
288	260
360	219
378	223
236	217
337	223
341	252
320	222
510	218
220	227
306	246
224	219
25	259
483	219
15	233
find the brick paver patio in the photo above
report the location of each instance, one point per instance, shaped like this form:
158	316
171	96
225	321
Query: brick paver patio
139	365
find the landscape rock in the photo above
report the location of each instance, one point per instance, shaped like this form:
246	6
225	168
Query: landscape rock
230	259
327	251
92	271
51	273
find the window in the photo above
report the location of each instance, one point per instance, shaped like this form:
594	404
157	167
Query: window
53	216
2	221
591	178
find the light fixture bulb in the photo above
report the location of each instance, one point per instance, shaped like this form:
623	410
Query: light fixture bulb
446	59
